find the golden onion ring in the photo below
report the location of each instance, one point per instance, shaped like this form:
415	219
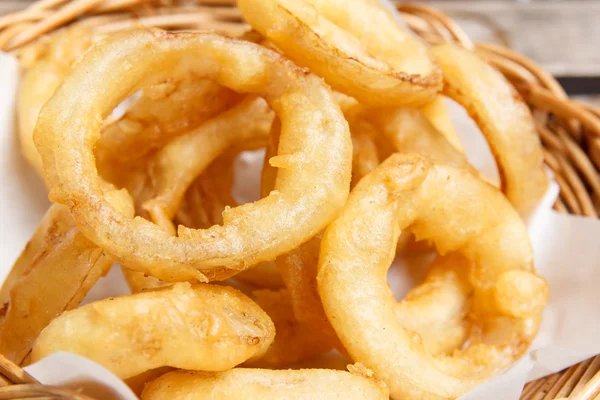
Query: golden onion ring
314	157
459	213
268	175
503	118
201	327
357	46
409	131
54	273
259	384
165	110
298	270
176	165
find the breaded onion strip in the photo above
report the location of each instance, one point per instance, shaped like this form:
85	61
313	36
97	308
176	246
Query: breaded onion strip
295	340
259	384
314	155
176	165
203	207
365	156
54	278
503	118
41	80
409	131
458	212
438	114
357	46
268	174
437	310
166	110
22	265
207	197
200	327
298	270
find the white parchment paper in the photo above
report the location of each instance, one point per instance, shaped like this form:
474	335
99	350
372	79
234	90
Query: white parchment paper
566	254
78	373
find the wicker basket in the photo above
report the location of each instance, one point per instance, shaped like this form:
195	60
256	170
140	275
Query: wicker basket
570	131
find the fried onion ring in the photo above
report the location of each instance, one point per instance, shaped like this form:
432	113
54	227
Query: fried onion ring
166	110
176	165
55	277
257	384
298	270
200	327
459	213
503	118
314	155
357	46
409	131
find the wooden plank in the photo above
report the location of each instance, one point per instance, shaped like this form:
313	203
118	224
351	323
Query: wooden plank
8	6
560	35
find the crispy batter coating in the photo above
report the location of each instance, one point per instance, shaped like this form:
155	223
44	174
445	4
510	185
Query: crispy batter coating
357	46
503	118
200	327
459	213
56	270
258	384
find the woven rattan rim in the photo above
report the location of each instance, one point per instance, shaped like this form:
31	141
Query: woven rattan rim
569	130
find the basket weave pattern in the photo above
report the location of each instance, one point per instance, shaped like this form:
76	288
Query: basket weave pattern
570	131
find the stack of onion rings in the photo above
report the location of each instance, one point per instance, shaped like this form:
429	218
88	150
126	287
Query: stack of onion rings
148	174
